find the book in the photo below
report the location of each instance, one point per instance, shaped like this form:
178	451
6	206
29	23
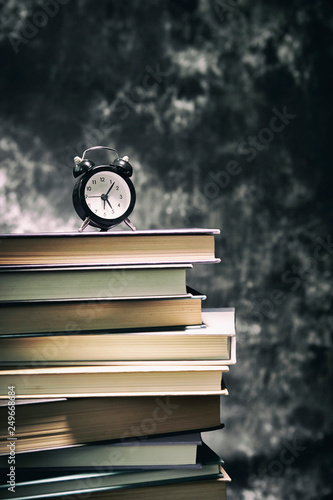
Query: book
113	247
213	488
84	282
161	452
101	314
45	424
112	380
212	342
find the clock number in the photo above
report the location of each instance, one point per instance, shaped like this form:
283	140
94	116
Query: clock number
118	204
102	179
88	188
93	181
117	188
121	196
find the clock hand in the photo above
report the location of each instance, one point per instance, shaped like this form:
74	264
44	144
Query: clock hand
109	189
107	201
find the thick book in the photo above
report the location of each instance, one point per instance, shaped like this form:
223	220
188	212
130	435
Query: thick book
46	424
101	314
113	247
212	342
45	283
112	380
213	488
161	452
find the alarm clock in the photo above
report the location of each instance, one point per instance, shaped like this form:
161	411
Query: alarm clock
104	195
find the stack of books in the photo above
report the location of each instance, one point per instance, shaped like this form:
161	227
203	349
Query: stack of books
111	369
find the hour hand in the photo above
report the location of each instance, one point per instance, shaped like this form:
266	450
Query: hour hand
107	201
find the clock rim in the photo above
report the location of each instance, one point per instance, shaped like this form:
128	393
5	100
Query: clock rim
82	208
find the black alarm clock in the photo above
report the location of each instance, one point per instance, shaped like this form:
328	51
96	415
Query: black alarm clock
104	195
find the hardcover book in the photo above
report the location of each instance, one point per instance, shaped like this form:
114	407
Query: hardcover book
113	247
112	380
197	488
101	314
162	452
57	423
91	282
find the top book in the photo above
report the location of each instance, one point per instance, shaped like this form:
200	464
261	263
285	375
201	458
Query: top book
114	247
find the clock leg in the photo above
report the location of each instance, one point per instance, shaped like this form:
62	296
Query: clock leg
129	224
84	225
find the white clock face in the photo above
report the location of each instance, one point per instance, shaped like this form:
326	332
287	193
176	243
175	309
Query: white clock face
107	195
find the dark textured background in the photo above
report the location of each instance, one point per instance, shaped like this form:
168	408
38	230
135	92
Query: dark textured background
189	90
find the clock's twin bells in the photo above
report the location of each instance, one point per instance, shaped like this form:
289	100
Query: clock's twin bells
82	165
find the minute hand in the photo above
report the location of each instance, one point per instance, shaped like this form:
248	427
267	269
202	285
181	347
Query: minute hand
109	189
